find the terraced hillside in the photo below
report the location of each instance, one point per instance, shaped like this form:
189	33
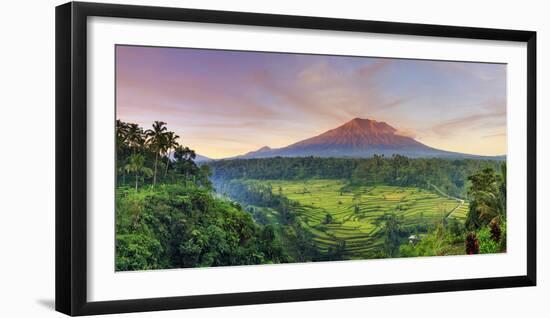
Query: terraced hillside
354	214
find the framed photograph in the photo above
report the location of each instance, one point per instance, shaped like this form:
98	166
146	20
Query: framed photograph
209	158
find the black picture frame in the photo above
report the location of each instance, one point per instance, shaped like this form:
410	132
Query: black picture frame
71	157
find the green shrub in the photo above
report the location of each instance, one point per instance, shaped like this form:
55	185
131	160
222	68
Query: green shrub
174	226
487	244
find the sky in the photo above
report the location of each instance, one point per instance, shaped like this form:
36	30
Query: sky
226	103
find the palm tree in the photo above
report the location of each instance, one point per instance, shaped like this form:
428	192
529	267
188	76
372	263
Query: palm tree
485	203
184	158
136	164
121	138
135	137
130	136
502	189
121	132
156	140
170	143
488	204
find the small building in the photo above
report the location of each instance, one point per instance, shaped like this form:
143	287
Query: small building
413	239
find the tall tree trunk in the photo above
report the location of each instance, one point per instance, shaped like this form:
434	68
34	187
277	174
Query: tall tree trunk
136	181
155	172
167	163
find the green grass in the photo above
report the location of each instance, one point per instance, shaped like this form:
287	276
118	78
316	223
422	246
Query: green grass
358	227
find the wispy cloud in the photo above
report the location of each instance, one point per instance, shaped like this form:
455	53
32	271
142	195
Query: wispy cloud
407	132
490	113
457	125
326	92
477	71
498	135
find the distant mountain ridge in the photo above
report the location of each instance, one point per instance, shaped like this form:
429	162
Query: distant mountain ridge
259	152
198	158
359	138
201	158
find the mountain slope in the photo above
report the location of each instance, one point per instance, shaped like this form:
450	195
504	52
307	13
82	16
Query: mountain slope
360	133
358	138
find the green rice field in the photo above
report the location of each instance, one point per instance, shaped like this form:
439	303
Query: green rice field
356	212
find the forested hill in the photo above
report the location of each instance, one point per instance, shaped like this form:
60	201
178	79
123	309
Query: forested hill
397	170
167	215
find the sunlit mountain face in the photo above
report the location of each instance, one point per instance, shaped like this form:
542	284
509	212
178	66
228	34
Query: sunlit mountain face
357	138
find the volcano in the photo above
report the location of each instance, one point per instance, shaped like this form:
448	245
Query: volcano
359	134
358	138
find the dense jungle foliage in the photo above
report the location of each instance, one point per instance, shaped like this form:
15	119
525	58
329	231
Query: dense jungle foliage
449	175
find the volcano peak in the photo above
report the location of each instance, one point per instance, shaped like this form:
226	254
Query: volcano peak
359	137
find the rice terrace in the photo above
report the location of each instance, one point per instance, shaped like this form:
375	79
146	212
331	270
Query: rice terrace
336	215
354	214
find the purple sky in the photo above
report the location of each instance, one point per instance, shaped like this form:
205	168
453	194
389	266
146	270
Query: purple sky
226	103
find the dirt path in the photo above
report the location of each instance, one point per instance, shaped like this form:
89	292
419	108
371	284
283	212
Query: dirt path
452	211
459	200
